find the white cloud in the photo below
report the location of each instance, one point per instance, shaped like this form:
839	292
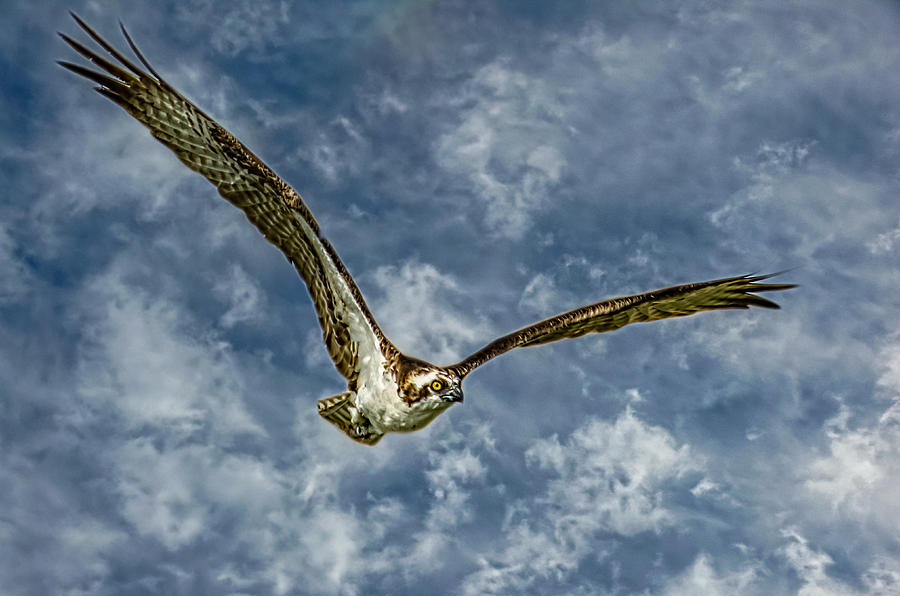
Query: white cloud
739	78
889	379
241	25
765	172
134	166
173	495
135	170
612	475
243	295
450	471
541	296
704	486
771	161
860	475
702	578
514	122
858	479
616	56
607	477
418	312
97	158
528	556
885	241
455	470
337	150
851	468
547	160
792	183
379	100
294	531
810	565
140	359
84	548
41	515
709	574
546	294
882	578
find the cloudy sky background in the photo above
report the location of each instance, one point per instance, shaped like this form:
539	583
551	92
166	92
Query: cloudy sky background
477	165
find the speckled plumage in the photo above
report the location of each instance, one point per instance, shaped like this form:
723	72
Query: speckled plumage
387	391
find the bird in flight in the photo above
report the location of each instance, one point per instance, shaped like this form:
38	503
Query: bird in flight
387	391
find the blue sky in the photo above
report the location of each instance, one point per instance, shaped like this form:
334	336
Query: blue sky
477	165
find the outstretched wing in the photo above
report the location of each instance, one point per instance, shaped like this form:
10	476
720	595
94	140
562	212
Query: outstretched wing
676	301
348	328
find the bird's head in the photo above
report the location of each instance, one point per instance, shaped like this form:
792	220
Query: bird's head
427	385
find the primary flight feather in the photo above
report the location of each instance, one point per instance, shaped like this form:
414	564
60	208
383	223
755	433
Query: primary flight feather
387	391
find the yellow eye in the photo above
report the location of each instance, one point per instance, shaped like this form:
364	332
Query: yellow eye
436	385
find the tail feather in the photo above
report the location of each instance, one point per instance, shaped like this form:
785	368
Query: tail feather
341	411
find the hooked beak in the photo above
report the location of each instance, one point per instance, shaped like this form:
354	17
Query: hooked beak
454	395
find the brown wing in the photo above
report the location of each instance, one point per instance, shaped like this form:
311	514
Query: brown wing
275	208
676	301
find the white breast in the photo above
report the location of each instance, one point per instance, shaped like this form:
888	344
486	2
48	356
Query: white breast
377	398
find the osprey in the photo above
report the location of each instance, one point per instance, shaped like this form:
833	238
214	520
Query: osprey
387	391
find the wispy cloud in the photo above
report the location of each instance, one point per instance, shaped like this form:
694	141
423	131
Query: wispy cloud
608	479
860	470
139	359
702	578
420	314
177	496
245	300
514	120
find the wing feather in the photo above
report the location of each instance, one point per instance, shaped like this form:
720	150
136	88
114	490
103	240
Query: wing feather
675	301
275	208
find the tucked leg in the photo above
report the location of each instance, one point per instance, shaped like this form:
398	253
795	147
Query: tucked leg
340	410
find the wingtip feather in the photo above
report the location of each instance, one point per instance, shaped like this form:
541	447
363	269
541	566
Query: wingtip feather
137	52
106	46
98	77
